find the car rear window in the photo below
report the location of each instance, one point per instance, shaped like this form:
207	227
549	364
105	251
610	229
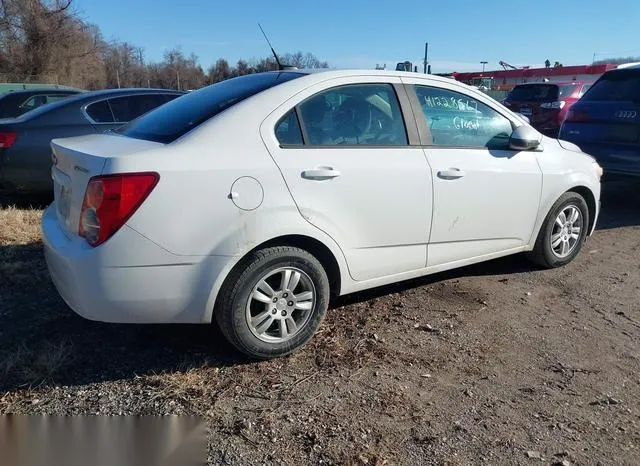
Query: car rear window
176	118
534	92
622	85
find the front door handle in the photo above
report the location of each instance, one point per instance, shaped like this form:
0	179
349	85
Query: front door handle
320	173
451	174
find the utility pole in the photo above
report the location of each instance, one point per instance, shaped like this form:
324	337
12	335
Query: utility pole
118	77
483	63
178	75
426	56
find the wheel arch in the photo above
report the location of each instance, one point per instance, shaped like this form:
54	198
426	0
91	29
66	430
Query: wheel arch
581	189
590	199
314	246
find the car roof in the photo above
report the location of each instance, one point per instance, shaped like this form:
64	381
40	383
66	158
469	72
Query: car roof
40	90
628	66
321	74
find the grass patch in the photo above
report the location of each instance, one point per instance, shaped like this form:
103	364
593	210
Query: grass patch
19	226
23	366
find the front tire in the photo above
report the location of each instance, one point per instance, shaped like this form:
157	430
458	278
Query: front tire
273	303
563	232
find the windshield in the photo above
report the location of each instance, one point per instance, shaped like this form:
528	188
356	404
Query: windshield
176	118
621	85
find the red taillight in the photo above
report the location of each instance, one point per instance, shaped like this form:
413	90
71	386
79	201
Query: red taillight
110	200
576	116
7	138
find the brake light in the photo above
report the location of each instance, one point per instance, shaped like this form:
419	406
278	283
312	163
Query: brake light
576	116
110	200
7	139
557	104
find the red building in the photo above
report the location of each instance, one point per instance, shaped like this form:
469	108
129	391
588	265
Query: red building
506	79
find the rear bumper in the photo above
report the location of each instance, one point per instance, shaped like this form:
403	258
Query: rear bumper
128	279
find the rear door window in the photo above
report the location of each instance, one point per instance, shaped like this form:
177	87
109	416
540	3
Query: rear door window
100	112
358	114
130	107
618	86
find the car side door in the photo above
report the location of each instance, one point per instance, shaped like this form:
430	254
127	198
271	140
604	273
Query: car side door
486	195
349	154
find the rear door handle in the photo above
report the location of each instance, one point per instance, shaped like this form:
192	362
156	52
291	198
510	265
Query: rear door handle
320	173
451	174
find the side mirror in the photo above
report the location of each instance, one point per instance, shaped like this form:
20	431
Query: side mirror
525	138
524	117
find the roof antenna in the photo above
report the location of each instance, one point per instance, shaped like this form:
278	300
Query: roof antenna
275	55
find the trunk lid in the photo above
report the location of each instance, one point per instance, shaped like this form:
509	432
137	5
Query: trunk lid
76	161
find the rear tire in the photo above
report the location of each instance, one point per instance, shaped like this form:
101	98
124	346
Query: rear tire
273	303
563	232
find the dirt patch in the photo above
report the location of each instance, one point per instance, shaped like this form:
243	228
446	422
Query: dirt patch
499	363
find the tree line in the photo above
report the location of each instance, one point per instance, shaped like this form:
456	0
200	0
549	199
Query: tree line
47	41
616	60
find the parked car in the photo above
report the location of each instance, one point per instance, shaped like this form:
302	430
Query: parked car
15	103
252	201
25	142
545	104
606	121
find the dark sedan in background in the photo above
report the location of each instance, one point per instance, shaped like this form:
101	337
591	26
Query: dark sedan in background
15	103
605	122
25	152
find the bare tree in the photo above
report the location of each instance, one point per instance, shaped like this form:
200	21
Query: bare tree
219	72
46	41
616	60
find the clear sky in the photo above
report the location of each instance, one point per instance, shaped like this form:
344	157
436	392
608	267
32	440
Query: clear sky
363	33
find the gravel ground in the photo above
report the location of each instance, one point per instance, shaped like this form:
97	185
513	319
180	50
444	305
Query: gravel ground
498	363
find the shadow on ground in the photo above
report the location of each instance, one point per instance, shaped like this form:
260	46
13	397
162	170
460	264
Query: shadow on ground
44	342
25	201
620	203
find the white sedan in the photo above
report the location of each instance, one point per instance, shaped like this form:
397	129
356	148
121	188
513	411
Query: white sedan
252	201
